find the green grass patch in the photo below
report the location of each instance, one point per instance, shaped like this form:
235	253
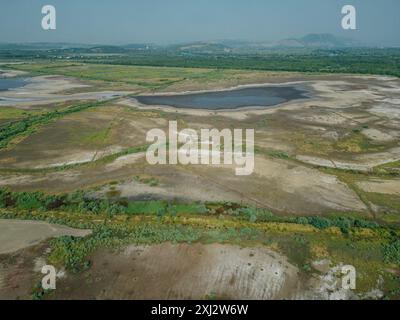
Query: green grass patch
356	142
389	203
7	113
30	124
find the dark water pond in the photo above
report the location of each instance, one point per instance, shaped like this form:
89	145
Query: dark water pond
232	99
11	83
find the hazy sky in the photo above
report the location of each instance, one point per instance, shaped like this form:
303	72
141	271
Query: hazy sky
170	21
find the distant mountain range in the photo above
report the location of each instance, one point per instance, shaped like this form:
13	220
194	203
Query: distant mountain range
309	41
324	41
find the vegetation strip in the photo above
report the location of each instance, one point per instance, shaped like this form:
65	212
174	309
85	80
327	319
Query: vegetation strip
29	124
344	60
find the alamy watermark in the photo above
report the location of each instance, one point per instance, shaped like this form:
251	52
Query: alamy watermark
49	280
49	19
189	146
349	277
348	20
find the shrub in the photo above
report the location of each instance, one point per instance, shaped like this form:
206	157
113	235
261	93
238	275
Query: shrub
319	222
301	220
29	201
344	224
4	196
391	252
359	223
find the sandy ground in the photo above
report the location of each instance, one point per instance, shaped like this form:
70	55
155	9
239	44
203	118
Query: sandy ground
17	234
362	162
199	271
178	271
379	136
381	186
186	272
276	184
18	273
11	73
45	89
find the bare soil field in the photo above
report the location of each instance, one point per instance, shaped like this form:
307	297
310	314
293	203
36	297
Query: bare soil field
82	137
178	271
16	235
51	89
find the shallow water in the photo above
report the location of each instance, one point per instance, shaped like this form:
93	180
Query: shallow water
11	83
231	99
